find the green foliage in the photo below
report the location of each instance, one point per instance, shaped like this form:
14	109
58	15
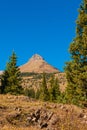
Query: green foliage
35	75
54	90
4	81
11	80
76	69
37	94
30	93
44	90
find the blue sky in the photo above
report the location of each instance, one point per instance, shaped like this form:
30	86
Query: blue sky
46	27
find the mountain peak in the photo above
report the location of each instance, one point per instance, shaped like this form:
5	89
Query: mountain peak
37	64
36	57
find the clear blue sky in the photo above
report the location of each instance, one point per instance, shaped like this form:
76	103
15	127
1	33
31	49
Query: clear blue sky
46	27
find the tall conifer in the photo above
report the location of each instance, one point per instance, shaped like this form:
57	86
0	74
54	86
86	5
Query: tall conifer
76	69
54	90
44	90
11	81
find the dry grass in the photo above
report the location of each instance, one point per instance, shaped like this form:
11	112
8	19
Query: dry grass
68	114
70	122
18	128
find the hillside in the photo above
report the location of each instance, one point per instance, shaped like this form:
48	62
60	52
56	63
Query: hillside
33	69
35	80
22	113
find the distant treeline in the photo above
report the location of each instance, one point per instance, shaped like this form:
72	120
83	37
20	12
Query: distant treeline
36	75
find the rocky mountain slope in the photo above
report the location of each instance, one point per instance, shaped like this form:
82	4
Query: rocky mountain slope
38	65
22	113
34	80
33	69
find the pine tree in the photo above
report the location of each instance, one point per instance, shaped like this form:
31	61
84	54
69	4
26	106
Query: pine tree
51	90
30	92
76	69
54	89
44	90
37	94
4	81
11	80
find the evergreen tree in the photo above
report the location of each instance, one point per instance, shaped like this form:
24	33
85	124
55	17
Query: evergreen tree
76	69
30	92
4	81
37	94
51	89
54	89
44	90
11	80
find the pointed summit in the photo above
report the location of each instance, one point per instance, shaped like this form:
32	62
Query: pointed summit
37	64
36	57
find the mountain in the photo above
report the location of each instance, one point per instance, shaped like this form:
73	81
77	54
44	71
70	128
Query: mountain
37	64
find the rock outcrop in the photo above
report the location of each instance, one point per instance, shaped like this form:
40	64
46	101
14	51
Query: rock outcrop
23	113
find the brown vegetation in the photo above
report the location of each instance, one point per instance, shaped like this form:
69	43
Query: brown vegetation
22	113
